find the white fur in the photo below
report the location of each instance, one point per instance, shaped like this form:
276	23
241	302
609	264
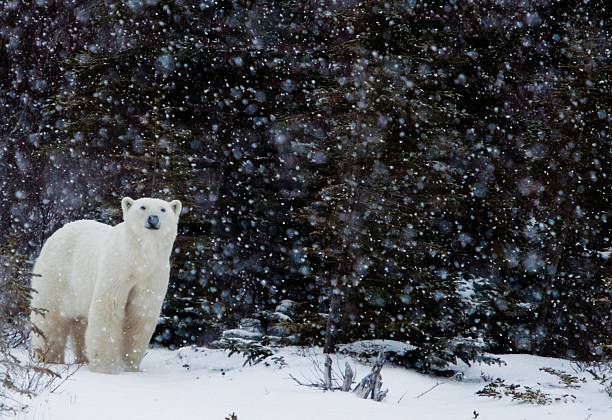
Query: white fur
104	286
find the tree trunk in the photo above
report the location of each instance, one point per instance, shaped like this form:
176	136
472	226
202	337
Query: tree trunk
328	373
370	387
333	318
348	378
552	276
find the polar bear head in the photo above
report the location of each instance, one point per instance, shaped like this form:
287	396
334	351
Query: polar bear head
151	216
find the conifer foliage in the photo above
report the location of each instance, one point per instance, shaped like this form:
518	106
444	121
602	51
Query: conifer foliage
431	172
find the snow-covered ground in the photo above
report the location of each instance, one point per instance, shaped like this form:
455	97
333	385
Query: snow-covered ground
203	384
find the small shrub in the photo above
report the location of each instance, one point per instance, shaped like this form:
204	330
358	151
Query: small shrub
253	352
565	378
19	376
602	373
498	388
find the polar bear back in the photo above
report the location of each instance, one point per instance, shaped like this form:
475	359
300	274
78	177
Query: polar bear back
69	260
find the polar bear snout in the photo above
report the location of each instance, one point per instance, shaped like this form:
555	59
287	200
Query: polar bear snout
151	214
152	222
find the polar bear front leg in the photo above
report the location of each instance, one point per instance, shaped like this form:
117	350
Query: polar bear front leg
104	334
142	312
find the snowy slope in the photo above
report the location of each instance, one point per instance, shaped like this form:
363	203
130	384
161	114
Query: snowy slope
203	384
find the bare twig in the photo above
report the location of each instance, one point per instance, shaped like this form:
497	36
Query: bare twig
69	375
429	390
309	384
402	397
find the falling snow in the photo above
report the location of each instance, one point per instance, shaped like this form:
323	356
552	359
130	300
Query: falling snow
434	174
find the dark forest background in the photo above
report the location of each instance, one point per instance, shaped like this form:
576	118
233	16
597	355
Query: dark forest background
433	172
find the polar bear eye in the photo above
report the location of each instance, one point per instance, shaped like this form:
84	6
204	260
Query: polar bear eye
143	208
163	210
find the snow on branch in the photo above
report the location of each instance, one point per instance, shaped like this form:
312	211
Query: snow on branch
326	378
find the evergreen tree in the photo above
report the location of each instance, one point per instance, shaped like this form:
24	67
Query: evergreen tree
429	172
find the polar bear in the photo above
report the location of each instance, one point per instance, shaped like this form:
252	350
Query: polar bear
104	286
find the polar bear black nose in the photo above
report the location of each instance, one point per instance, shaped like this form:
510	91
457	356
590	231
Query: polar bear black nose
153	221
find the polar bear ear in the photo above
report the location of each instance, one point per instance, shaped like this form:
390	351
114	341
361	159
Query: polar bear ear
126	204
176	207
